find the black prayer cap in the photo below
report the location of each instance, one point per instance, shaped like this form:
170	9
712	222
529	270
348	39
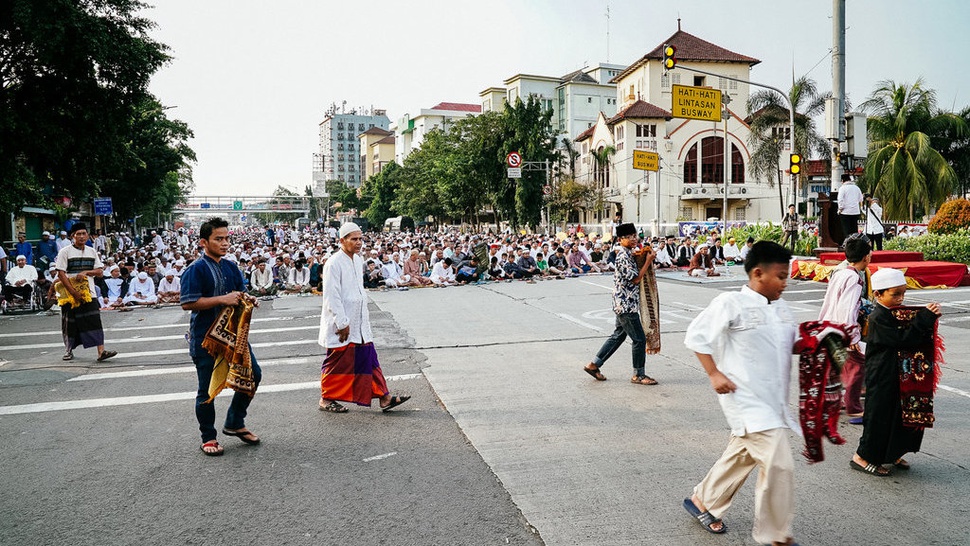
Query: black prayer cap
78	226
623	230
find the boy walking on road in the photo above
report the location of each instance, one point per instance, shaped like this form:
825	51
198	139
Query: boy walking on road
744	341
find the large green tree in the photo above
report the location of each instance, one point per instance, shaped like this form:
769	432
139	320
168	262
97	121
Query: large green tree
954	145
381	190
769	122
903	169
72	76
529	131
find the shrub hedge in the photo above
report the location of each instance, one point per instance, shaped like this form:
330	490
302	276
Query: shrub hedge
945	247
953	216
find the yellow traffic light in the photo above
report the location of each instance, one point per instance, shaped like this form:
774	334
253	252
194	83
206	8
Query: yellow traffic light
795	163
669	59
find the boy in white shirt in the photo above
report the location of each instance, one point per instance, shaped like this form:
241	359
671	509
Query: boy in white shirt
745	340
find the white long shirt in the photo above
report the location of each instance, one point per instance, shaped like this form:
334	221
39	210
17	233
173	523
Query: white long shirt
751	342
850	196
261	279
26	273
344	302
843	296
874	219
440	273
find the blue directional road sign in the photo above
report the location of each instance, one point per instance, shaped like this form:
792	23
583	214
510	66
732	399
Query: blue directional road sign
102	206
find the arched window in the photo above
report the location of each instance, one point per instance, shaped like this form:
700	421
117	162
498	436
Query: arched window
711	162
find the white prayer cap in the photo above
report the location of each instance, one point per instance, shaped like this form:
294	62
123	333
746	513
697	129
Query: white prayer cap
886	278
170	273
142	276
21	257
52	266
347	229
46	234
112	268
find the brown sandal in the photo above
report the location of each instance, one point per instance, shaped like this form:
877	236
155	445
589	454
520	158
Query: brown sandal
643	380
595	372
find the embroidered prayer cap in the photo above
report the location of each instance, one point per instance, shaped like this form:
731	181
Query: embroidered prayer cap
624	230
886	278
142	276
348	228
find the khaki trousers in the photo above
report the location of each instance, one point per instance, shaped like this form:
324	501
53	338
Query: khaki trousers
774	500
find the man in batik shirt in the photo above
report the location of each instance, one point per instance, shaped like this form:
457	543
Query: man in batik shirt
626	305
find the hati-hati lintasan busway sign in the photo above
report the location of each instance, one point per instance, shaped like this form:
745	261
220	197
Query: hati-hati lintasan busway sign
695	103
646	161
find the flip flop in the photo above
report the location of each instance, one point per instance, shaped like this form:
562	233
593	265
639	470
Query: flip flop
212	443
870	468
901	464
333	407
643	380
395	402
855	421
246	436
706	519
595	372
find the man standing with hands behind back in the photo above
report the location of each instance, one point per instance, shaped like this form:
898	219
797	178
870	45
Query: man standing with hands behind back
850	207
209	284
351	371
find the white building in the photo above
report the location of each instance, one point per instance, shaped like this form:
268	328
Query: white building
410	130
339	143
575	99
691	179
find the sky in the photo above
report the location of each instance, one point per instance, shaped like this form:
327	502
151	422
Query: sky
253	79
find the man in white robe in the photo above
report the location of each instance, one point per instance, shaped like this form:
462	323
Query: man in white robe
169	288
141	291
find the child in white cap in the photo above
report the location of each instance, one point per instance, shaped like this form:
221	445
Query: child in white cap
896	339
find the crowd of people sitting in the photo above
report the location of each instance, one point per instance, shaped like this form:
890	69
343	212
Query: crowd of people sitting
279	260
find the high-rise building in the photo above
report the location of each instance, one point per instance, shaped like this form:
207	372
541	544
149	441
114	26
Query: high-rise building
339	141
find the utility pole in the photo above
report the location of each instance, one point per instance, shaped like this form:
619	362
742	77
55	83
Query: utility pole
838	85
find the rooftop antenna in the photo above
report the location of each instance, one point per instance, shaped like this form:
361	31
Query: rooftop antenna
607	32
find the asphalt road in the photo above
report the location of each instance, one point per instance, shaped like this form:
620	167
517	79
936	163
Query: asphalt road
506	440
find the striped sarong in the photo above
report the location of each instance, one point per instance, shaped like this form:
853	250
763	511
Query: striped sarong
81	325
352	373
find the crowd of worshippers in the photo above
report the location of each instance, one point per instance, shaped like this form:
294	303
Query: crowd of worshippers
279	260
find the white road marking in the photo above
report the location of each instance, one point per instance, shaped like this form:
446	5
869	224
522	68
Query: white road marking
579	322
136	339
379	457
154	398
610	288
955	391
947	320
185	350
805	291
184	325
187	369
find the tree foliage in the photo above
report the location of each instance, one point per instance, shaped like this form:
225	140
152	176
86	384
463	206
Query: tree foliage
76	118
458	174
903	168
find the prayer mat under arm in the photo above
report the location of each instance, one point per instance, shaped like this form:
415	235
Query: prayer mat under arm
228	342
919	372
649	306
822	353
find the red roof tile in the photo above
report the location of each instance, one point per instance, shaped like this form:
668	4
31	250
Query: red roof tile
386	140
588	133
690	48
639	110
819	167
459	107
375	130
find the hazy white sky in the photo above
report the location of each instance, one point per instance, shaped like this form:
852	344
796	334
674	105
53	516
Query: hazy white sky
253	78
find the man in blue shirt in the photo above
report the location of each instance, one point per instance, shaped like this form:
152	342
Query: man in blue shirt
208	284
24	248
47	248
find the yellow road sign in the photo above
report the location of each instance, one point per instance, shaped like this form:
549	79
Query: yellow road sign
696	103
646	161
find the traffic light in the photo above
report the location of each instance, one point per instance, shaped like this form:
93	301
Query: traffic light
669	60
795	163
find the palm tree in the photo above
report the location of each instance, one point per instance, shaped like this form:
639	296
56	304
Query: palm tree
903	169
769	129
603	157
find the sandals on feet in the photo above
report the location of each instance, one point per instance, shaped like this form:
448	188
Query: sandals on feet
643	380
211	448
595	372
874	469
68	356
901	464
333	407
395	402
106	354
706	519
246	436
